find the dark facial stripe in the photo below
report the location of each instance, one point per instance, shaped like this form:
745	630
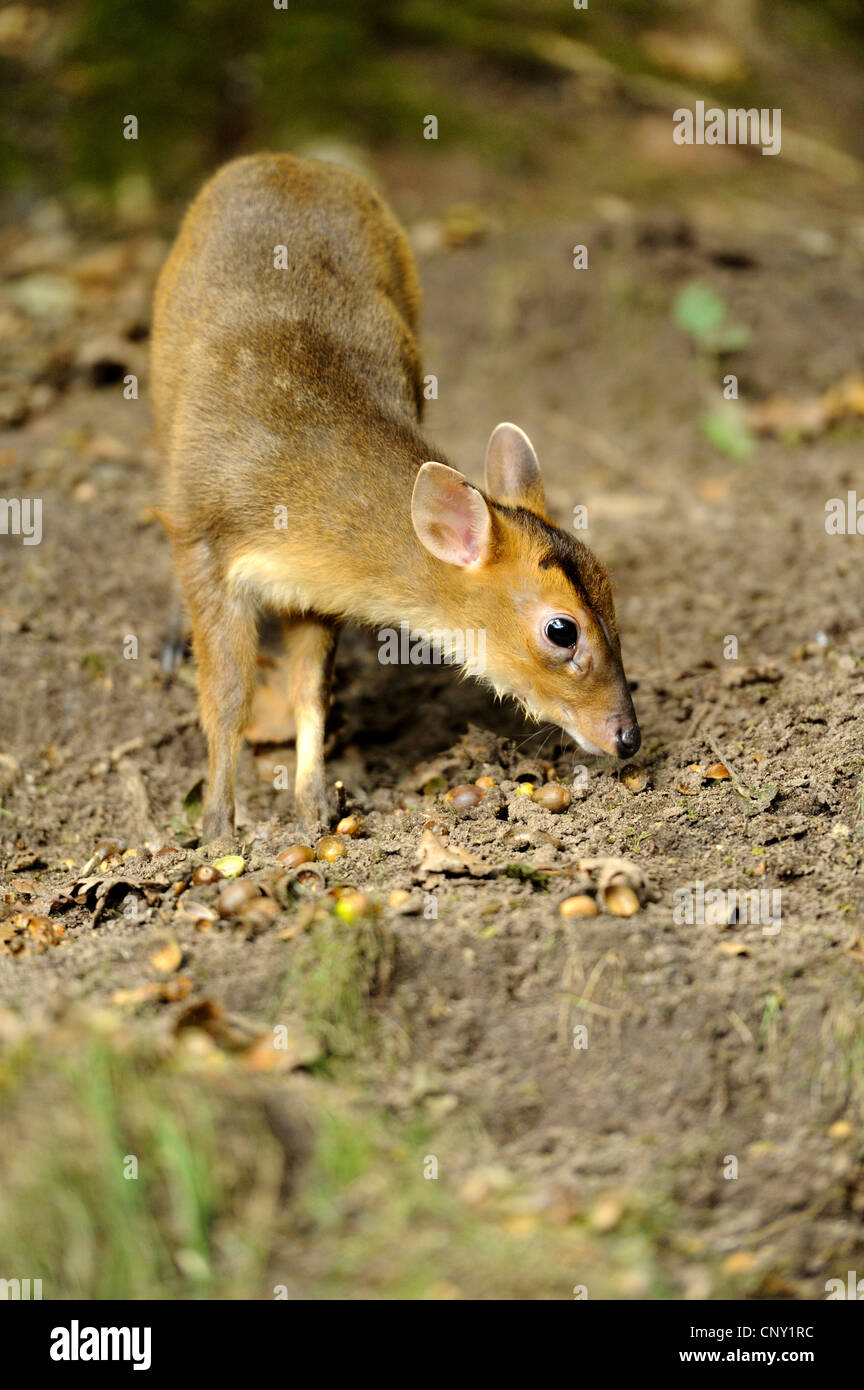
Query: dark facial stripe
579	567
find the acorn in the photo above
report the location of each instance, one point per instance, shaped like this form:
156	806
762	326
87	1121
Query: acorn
311	880
206	873
295	855
554	797
465	797
579	906
230	866
351	906
350	825
620	900
329	848
398	897
233	897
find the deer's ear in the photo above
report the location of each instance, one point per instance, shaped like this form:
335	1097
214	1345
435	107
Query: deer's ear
450	517
512	471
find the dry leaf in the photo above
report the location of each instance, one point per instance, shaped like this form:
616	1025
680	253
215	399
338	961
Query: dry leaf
435	857
734	948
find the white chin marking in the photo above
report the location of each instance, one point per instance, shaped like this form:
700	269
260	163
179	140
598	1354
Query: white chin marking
584	743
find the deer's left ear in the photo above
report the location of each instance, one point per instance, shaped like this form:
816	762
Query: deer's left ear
512	471
451	517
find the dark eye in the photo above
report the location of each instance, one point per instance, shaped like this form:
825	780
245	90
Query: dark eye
563	632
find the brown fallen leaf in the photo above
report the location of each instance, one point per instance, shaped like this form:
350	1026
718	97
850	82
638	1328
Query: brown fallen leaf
198	912
436	857
717	772
781	417
26	931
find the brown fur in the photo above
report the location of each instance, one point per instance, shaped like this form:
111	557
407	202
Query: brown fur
297	393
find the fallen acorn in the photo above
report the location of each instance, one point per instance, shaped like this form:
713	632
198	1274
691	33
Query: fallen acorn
620	900
311	880
350	826
259	912
717	772
351	906
233	897
485	782
465	797
553	797
206	873
398	897
231	866
635	779
329	848
295	855
581	905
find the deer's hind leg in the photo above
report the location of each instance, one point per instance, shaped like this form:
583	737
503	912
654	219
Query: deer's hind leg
310	645
225	641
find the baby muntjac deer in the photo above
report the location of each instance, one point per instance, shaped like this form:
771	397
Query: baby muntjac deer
287	394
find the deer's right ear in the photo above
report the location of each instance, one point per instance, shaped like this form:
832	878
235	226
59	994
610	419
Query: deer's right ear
512	471
450	517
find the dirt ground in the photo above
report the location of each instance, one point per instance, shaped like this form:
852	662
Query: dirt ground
704	1139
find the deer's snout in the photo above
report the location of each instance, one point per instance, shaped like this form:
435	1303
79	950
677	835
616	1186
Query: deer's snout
628	741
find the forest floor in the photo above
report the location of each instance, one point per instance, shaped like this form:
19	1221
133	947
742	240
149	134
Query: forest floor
493	1101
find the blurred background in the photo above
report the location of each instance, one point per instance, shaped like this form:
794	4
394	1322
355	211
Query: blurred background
209	79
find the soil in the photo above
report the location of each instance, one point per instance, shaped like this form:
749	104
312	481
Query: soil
704	1041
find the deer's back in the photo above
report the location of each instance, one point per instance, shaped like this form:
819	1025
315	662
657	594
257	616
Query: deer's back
284	320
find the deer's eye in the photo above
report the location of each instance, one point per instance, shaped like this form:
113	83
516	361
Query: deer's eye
562	632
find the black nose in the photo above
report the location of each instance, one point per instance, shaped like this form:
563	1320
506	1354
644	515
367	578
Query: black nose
628	741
